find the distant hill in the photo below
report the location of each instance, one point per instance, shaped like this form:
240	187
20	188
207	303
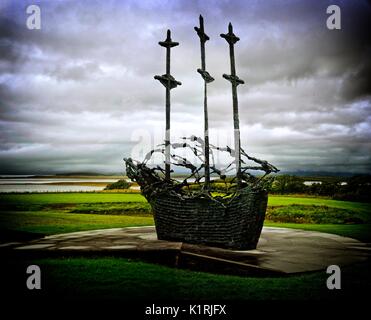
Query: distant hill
67	174
319	173
182	173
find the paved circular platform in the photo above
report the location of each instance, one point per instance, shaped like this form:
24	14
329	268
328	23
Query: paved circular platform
279	251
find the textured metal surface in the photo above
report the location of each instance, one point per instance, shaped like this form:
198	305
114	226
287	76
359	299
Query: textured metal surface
234	223
169	83
187	210
207	79
231	38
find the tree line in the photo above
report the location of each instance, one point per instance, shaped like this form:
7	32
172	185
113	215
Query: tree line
355	188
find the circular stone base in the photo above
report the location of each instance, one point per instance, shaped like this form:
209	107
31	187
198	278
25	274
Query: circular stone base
279	251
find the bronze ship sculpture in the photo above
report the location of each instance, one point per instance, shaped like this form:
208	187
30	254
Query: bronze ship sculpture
195	210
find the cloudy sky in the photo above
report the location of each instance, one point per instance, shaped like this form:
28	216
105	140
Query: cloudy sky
78	95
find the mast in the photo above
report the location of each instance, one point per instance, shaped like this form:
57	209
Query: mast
207	79
231	38
169	83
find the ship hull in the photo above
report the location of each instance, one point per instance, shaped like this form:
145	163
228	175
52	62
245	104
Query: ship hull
235	224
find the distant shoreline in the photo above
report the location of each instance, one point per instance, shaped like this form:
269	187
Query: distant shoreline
61	177
65	183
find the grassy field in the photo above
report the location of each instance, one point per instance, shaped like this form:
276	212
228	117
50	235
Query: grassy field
69	197
125	279
98	197
53	222
275	200
66	212
52	213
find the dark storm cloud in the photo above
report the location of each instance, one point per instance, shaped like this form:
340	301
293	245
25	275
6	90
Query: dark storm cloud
10	53
357	82
356	50
77	94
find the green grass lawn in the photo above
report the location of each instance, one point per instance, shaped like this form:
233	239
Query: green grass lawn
68	197
73	198
276	201
51	213
55	222
125	279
